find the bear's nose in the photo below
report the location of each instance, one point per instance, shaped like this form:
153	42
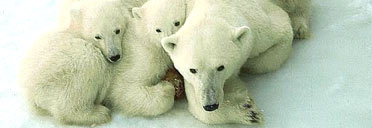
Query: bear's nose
115	58
210	107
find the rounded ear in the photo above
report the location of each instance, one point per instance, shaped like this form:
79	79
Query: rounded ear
239	32
137	12
169	43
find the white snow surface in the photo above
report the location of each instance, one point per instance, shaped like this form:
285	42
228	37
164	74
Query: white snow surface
327	83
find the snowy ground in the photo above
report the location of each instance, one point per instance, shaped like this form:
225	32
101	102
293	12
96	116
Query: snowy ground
326	83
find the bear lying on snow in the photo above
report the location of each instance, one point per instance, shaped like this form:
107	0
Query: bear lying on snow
139	87
218	38
70	73
67	72
173	14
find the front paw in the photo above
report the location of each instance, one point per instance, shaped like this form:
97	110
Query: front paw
300	28
102	113
251	114
166	89
174	77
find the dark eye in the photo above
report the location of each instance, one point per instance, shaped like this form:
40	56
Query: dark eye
193	71
177	23
98	37
117	31
158	30
221	68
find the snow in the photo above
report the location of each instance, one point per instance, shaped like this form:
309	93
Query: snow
326	83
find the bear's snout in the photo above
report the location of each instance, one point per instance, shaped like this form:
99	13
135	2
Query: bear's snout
211	107
114	58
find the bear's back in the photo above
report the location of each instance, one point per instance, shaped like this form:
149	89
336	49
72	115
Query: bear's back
276	29
57	55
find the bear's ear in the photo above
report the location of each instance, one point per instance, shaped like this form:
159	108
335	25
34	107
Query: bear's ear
169	43
240	32
76	17
137	12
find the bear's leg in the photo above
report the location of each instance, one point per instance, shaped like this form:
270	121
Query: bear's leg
270	60
144	100
82	115
300	26
299	12
237	107
75	104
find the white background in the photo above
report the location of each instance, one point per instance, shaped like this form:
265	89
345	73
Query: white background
326	83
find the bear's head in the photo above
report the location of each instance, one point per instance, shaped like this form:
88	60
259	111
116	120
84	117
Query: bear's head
207	55
161	18
103	23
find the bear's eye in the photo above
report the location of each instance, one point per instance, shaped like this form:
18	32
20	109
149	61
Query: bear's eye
177	23
117	31
158	30
98	37
193	71
220	68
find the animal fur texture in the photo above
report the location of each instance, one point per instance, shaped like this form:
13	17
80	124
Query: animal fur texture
139	88
67	72
220	37
102	60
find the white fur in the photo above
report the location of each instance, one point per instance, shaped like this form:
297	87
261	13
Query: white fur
138	89
162	15
67	72
299	12
228	33
66	77
100	18
64	7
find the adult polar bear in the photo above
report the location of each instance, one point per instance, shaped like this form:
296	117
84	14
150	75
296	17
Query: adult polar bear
217	39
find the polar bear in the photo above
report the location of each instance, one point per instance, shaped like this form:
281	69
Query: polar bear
139	88
103	22
67	73
217	40
163	18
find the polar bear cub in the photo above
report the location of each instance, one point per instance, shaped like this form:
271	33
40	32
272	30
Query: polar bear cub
162	18
139	88
67	73
218	38
103	22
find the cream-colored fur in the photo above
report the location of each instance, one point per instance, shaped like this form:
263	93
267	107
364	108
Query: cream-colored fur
67	77
138	88
299	12
67	72
64	7
217	39
163	18
101	21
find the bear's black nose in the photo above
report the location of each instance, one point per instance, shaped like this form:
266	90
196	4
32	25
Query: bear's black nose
210	107
115	58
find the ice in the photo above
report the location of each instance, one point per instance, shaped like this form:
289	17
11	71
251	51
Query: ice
326	83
